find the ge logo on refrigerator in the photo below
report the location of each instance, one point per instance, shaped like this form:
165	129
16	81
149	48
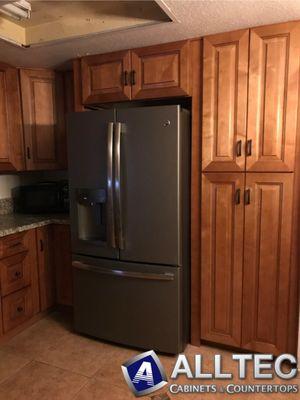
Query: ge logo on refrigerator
144	373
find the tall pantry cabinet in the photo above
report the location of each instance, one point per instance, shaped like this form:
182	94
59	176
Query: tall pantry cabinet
250	105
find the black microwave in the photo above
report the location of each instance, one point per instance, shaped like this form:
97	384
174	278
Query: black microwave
42	198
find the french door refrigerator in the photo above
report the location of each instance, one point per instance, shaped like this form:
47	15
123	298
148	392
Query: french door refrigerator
129	200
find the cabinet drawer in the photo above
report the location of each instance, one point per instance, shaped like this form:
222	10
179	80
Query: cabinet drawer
12	244
16	308
15	273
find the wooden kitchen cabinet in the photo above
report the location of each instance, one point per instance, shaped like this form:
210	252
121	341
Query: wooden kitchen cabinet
105	77
43	119
222	257
46	267
160	71
225	71
1	317
146	73
11	132
268	226
63	264
273	97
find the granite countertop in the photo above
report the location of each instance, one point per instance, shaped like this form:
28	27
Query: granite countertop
12	223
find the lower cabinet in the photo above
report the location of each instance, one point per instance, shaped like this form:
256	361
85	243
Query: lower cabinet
18	279
246	247
63	264
46	267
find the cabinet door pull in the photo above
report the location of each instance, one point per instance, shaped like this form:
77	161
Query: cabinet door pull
20	309
28	153
41	245
237	196
133	81
247	196
125	78
239	148
249	147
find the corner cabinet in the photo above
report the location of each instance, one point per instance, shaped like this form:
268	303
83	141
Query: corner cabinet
149	72
11	129
43	119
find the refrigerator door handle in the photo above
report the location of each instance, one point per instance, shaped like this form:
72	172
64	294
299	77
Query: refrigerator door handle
124	274
117	184
111	240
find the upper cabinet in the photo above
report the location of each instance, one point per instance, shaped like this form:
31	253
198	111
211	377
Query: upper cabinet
150	72
43	118
160	71
105	77
273	97
254	131
11	133
225	69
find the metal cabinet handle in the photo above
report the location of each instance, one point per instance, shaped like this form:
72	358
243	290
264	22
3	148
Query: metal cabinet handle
247	196
117	184
237	196
28	153
249	147
124	274
17	274
133	80
125	78
110	198
20	309
239	148
41	245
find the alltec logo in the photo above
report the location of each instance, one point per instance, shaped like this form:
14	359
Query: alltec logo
144	373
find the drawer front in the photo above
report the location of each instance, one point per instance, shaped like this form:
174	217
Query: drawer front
15	273
12	244
16	308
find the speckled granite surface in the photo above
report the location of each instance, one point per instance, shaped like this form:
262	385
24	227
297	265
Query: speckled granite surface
13	223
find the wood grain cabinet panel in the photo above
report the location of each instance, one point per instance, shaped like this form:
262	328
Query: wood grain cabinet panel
222	257
1	318
43	118
268	222
105	77
15	273
46	267
63	264
273	97
225	71
11	132
160	71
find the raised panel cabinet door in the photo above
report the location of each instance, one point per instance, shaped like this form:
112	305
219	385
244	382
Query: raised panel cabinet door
1	317
105	77
222	257
11	131
63	264
160	71
267	248
225	72
43	118
46	267
273	97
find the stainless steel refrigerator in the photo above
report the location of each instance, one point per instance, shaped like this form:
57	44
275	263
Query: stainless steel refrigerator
129	199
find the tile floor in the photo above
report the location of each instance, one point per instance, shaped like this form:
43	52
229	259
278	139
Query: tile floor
49	361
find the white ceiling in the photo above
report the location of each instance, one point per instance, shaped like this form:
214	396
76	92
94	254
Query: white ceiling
196	18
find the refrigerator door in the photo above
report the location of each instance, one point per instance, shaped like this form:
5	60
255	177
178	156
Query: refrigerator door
90	154
136	305
149	221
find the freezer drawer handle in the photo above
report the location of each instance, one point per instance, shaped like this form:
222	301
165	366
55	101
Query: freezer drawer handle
124	274
110	199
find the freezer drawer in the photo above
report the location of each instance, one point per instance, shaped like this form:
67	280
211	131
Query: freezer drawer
133	304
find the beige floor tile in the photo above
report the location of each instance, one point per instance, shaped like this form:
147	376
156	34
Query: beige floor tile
42	335
101	390
10	363
79	354
38	381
